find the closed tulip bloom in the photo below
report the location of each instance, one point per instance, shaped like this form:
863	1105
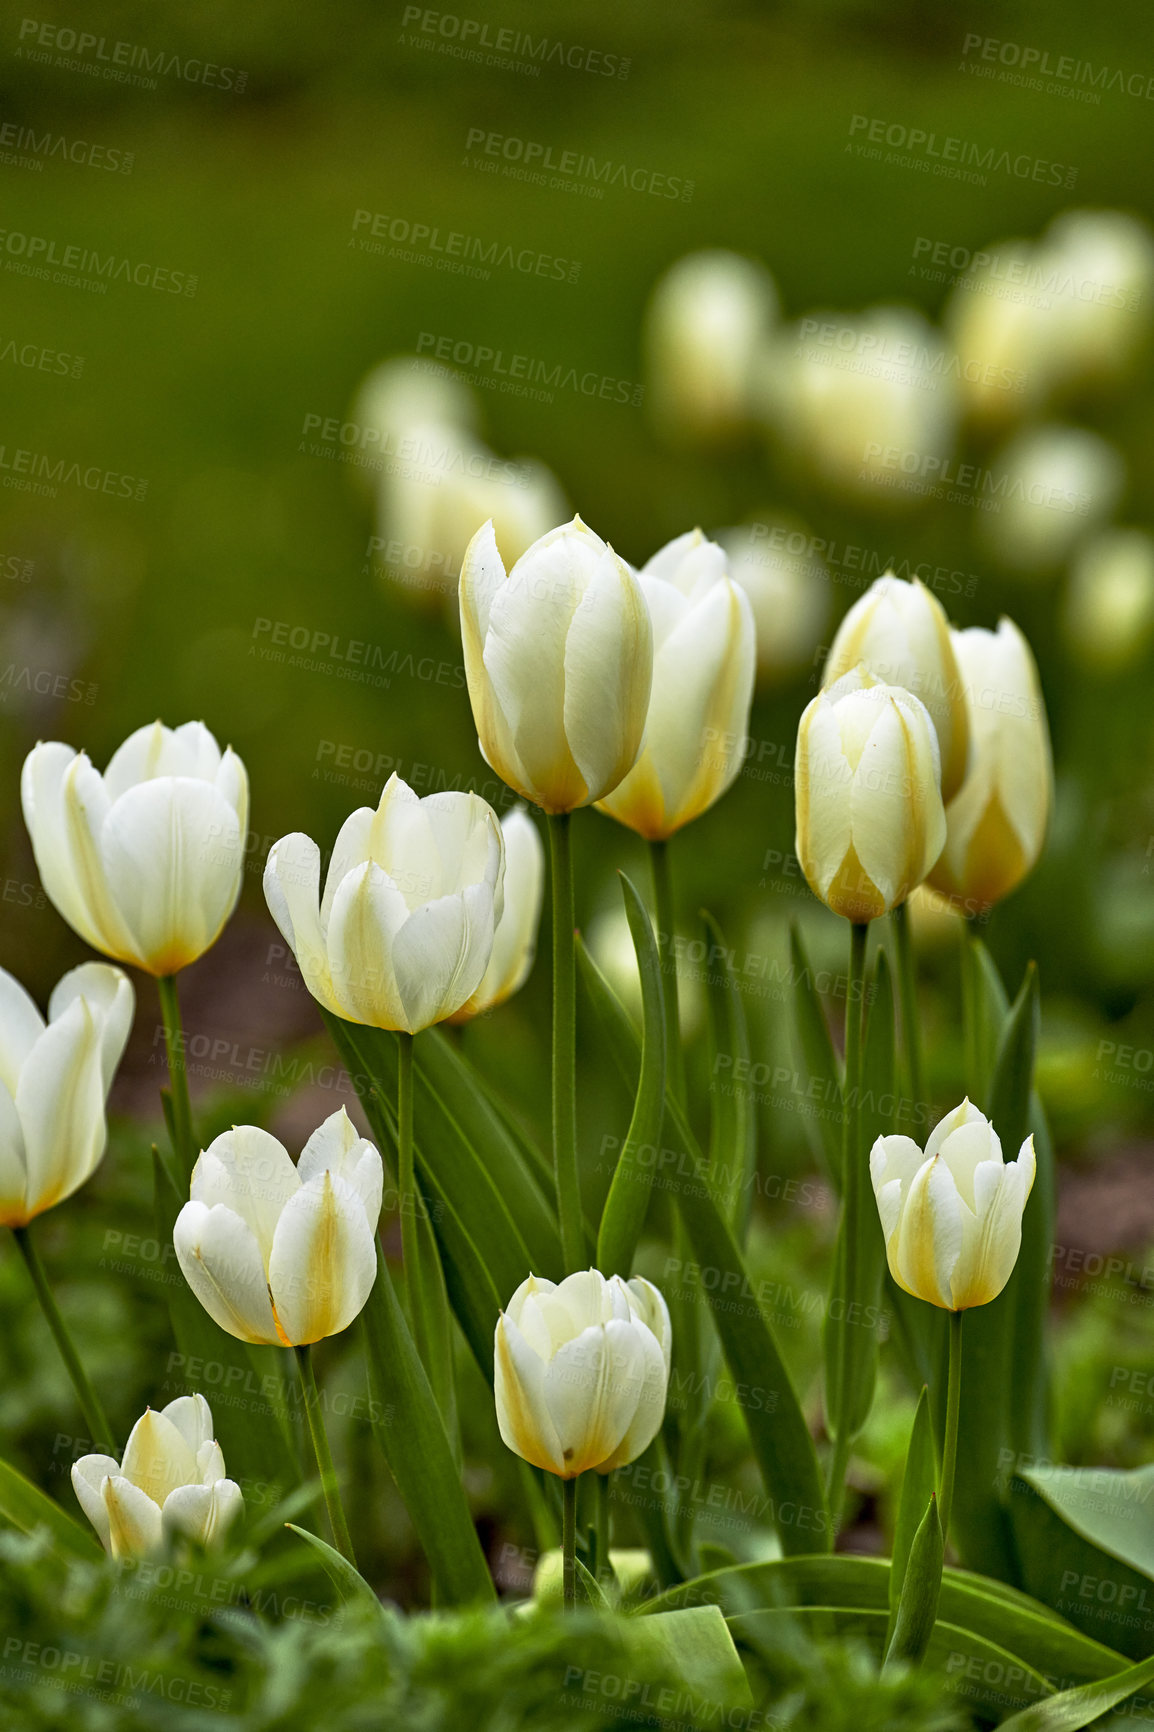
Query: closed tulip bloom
952	1216
899	631
1109	609
1059	485
145	861
277	1253
996	825
171	1484
515	941
54	1082
581	1371
870	822
559	659
403	934
707	322
704	660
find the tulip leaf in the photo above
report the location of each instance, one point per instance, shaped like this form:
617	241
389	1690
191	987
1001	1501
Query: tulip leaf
25	1507
1084	1705
918	1485
817	1056
917	1612
778	1432
589	1589
980	1526
733	1122
694	1646
623	1216
407	1424
345	1577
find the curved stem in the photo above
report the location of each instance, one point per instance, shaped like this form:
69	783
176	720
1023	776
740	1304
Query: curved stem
406	1190
320	1443
90	1404
666	932
177	1071
569	1544
908	1000
565	1167
953	1408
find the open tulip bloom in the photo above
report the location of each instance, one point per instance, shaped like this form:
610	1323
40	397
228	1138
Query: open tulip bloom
403	933
278	1253
170	1484
952	1215
145	861
515	940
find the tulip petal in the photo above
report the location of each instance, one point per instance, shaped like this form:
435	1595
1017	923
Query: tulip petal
154	751
337	1146
367	914
323	1261
65	806
523	1416
88	1476
592	1388
221	1261
965	1151
1002	1192
192	1417
202	1513
648	1303
157	1457
13	1166
440	954
134	1522
292	879
650	1409
109	993
21	1026
608	676
60	1100
966	1114
928	1243
252	1174
352	848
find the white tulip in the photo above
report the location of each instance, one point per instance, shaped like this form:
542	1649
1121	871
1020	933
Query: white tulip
707	321
515	941
171	1484
952	1217
1109	609
54	1082
559	659
870	821
899	631
581	1371
775	562
1054	485
145	861
704	650
277	1252
404	932
996	824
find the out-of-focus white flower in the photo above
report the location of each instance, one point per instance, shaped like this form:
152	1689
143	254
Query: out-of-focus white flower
515	940
1109	610
1054	485
776	562
171	1484
54	1081
706	323
145	861
868	401
581	1371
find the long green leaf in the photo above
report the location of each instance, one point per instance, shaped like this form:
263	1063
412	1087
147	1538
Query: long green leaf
816	1053
733	1121
695	1647
917	1613
1072	1709
408	1426
346	1579
623	1216
25	1507
780	1437
918	1485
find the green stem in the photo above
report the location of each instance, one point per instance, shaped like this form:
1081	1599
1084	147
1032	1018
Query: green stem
320	1443
602	1519
666	932
565	1167
90	1406
852	1185
569	1544
177	1070
953	1408
406	1188
908	1000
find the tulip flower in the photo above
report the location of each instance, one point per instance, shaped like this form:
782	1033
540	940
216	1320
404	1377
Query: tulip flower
581	1371
144	861
54	1082
788	586
170	1484
278	1253
1056	486
704	650
1109	611
515	940
899	632
870	821
952	1216
709	318
559	658
996	825
404	932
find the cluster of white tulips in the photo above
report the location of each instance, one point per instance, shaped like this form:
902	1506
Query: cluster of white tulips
924	759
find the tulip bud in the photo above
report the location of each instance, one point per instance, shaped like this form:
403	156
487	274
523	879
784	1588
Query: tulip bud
776	563
1109	612
996	825
581	1371
952	1217
404	932
870	822
277	1253
707	320
171	1484
1056	484
515	941
703	667
559	660
54	1082
144	862
900	633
